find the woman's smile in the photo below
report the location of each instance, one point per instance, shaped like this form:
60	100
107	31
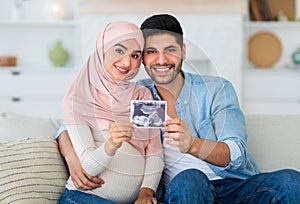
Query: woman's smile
121	70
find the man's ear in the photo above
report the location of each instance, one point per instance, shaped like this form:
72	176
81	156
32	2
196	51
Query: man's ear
183	51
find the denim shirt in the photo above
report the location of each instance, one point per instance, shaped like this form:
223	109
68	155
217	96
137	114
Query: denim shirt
210	107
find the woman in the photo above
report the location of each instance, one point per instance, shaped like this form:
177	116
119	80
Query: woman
96	110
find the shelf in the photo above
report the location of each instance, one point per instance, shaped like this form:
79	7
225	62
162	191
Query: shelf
38	23
40	70
272	90
283	72
287	33
272	24
38	37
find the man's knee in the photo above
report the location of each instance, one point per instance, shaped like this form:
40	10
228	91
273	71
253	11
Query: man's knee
190	186
289	178
191	177
285	175
288	185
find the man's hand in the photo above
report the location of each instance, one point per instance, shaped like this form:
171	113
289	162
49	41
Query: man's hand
146	197
216	153
80	178
179	132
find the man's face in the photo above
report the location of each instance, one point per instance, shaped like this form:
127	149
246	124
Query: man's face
163	58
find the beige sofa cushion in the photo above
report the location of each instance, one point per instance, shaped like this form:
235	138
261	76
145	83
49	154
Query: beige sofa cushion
274	141
32	169
15	126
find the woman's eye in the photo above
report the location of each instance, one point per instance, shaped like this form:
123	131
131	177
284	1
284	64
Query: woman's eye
136	56
120	51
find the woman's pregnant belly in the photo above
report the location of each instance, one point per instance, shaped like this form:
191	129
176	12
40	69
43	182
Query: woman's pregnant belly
124	176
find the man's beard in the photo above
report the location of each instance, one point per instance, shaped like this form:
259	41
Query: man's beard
173	77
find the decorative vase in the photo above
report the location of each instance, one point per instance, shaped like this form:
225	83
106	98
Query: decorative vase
296	56
58	55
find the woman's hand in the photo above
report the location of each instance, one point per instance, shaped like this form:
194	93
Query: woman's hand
146	197
119	132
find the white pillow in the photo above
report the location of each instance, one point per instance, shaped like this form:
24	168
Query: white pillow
14	127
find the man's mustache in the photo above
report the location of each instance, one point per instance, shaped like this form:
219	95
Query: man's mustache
154	66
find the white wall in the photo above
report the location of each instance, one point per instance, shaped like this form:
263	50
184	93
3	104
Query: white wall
218	35
218	38
206	7
32	9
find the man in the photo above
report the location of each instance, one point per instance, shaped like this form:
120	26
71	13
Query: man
205	141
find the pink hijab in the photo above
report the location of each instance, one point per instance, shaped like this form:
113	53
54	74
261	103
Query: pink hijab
95	98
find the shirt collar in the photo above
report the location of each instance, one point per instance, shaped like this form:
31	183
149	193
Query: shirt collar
186	89
184	93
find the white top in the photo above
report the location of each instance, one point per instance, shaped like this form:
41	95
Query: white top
176	162
124	173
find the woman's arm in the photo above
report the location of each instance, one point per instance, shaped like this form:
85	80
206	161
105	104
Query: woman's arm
80	178
95	159
153	168
153	172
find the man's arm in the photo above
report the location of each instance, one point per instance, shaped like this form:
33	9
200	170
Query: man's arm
216	153
80	178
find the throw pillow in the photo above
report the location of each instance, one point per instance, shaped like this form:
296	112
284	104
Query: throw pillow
31	171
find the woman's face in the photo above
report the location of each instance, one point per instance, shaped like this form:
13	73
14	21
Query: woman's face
122	59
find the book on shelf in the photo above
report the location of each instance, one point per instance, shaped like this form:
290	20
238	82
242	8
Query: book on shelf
287	7
259	10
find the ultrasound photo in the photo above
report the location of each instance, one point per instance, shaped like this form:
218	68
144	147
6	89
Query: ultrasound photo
148	114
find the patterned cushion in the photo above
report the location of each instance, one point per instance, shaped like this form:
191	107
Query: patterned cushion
31	171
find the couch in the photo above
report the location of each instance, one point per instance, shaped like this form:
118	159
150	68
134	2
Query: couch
33	171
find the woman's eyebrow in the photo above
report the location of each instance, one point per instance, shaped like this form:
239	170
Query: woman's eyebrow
118	44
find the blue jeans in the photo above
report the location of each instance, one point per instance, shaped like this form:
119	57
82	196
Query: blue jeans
74	196
193	187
